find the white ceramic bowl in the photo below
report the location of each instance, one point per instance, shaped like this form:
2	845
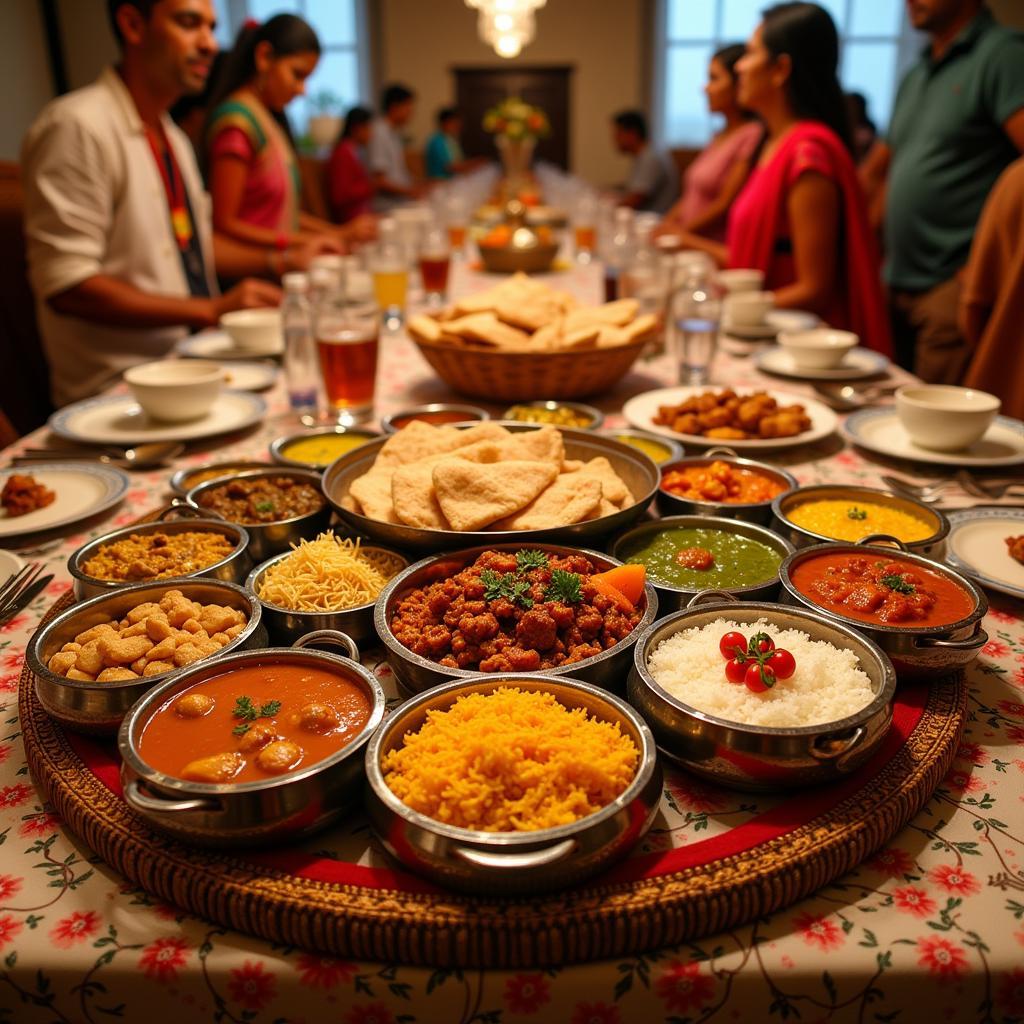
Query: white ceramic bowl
748	309
741	280
255	330
943	417
818	349
175	390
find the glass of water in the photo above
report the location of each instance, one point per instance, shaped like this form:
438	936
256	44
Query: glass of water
698	315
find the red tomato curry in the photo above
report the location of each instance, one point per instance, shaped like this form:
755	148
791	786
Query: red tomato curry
881	591
255	723
721	482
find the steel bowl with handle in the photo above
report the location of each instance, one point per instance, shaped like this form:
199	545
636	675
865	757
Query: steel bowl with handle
266	539
800	537
760	512
918	652
98	708
249	813
233	568
637	470
671	597
513	862
416	673
285	625
756	757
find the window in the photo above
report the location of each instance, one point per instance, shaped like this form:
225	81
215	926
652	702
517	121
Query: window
876	45
342	73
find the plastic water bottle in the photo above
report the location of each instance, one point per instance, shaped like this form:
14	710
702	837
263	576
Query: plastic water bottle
698	312
301	366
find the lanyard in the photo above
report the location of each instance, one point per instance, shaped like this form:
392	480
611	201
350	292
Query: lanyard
174	186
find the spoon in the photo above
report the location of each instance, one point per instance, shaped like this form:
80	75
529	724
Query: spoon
847	397
143	456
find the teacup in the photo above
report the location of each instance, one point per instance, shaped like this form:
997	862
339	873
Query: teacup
257	331
175	390
945	418
748	309
820	348
740	280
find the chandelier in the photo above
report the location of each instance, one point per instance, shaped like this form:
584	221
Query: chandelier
507	25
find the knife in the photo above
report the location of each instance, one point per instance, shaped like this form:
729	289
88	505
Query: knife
25	599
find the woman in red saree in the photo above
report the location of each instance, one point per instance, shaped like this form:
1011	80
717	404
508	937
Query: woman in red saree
801	217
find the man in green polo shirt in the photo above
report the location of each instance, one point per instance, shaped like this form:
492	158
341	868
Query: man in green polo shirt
957	123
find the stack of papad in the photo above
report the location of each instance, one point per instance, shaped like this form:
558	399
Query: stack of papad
484	477
524	315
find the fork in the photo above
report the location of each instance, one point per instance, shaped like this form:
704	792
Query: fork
986	488
922	492
19	589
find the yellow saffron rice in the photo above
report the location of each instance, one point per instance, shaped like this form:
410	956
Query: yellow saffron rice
511	761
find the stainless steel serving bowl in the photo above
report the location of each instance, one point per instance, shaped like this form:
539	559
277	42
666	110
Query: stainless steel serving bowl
416	673
594	414
918	652
673	449
285	625
279	447
670	504
468	412
250	813
233	568
266	539
99	707
513	862
183	481
508	259
637	470
754	757
800	537
670	597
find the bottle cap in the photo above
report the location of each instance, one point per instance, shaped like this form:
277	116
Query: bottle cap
295	281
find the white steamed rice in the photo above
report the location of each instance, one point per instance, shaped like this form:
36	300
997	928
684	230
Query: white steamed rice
828	683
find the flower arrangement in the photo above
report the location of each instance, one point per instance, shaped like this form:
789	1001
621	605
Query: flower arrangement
516	119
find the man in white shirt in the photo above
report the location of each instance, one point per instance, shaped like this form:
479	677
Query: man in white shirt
117	222
653	179
392	181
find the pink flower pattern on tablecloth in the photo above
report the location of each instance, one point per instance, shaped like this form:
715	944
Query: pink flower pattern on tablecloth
942	901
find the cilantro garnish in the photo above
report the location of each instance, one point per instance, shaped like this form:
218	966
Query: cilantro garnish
509	585
897	583
264	506
565	587
856	513
249	712
527	560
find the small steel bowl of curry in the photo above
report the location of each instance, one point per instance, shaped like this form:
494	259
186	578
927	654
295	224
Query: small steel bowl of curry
185	479
437	414
577	415
720	483
258	747
278	506
844	513
684	555
659	449
318	448
926	617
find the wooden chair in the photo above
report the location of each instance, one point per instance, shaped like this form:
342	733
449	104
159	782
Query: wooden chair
24	375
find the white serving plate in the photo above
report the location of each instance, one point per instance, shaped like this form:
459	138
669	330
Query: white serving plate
976	545
119	419
82	490
859	362
880	430
641	410
216	345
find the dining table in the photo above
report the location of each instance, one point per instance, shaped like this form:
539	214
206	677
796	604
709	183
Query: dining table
929	926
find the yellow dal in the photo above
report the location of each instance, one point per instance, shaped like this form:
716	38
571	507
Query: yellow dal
831	518
322	450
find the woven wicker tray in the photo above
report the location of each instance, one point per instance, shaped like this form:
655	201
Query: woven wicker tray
349	910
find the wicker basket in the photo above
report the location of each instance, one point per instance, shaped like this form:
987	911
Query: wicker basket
499	376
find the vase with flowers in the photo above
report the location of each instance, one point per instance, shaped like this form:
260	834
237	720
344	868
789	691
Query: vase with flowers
516	125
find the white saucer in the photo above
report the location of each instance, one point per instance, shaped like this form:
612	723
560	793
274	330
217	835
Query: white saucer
81	489
976	545
641	410
218	345
859	362
880	430
749	332
10	564
118	419
250	376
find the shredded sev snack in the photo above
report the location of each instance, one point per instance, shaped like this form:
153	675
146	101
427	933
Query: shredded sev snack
327	575
510	761
156	556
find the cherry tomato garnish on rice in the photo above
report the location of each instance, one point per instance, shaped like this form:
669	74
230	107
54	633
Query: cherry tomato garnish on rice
759	677
782	663
730	642
735	671
762	642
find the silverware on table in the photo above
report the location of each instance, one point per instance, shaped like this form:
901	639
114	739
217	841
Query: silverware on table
981	488
927	493
143	456
21	589
846	397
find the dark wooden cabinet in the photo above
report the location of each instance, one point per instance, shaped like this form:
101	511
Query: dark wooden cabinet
477	89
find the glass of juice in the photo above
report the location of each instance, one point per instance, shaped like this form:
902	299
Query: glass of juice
435	257
584	226
347	340
457	220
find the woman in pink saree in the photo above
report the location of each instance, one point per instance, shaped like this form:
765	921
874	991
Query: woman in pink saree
801	217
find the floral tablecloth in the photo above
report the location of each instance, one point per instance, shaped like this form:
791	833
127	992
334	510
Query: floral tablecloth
932	926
